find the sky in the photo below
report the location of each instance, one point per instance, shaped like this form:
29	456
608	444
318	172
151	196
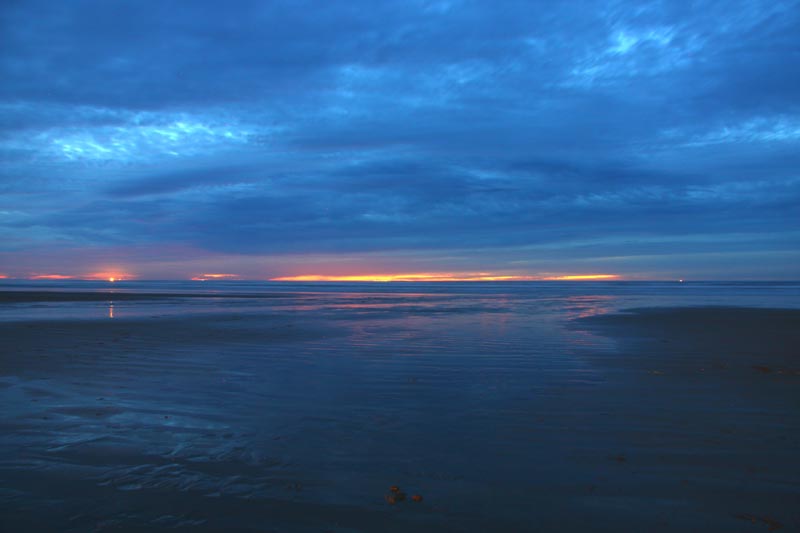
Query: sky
177	139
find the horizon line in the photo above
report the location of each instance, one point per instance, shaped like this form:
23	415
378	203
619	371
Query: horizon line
549	280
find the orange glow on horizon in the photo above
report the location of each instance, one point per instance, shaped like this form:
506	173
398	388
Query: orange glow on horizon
3	276
405	277
204	277
439	276
50	276
109	276
583	277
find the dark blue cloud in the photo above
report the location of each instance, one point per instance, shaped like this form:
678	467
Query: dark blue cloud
508	136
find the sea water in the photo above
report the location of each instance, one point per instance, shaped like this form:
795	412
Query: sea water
296	406
566	299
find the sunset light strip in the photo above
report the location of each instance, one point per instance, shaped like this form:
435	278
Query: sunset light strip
481	276
584	277
204	277
110	275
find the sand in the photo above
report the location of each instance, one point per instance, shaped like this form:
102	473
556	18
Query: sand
726	382
708	338
688	421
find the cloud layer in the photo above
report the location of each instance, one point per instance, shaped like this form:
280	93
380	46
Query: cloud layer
653	139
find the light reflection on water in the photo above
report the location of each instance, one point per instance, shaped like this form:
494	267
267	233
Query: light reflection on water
571	300
180	411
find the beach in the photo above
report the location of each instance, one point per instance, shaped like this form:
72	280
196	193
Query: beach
516	409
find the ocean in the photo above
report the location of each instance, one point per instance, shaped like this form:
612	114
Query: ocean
273	406
563	299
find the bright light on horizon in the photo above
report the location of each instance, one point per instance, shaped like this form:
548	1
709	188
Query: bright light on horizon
438	276
97	276
116	276
583	277
111	276
206	277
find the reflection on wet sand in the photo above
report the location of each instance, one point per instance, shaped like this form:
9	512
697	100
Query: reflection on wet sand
297	414
590	305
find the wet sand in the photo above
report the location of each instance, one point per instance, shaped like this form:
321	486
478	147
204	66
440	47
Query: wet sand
723	383
687	340
684	419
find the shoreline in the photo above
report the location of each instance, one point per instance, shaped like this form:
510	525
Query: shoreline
713	332
687	421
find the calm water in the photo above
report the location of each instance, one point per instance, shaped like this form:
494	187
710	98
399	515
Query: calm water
565	300
297	411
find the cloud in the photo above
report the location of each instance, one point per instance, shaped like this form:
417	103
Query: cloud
429	129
